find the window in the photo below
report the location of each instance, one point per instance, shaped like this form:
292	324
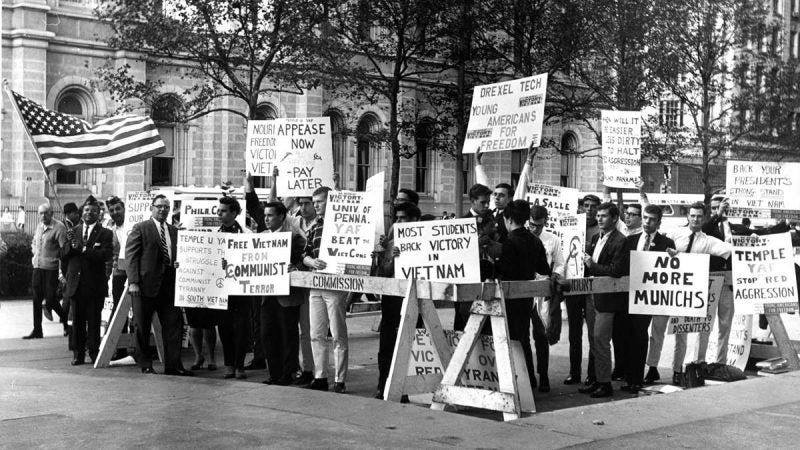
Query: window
423	179
569	148
467	172
75	103
670	113
166	113
339	137
517	162
367	145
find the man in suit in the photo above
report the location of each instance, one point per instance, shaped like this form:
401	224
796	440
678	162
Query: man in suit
87	283
72	217
608	256
634	326
150	251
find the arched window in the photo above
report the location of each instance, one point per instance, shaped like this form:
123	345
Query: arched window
75	102
569	149
166	113
423	173
339	137
367	157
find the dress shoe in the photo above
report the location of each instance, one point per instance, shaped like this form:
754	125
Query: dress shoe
78	361
148	370
652	376
284	380
378	394
616	375
589	389
305	378
241	374
199	364
319	384
270	381
339	387
604	390
589	381
211	366
179	372
229	372
544	383
34	335
633	388
677	378
572	379
48	314
256	364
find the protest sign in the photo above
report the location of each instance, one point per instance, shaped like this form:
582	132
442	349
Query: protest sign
481	369
348	233
258	263
199	278
622	159
559	201
763	274
137	210
573	238
739	341
375	188
438	250
506	115
686	325
763	185
201	215
663	285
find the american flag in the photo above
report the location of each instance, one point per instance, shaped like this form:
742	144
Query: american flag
66	142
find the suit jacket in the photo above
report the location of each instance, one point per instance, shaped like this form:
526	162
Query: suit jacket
523	257
143	253
659	244
613	261
89	266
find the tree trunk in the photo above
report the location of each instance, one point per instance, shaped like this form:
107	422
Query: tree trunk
395	143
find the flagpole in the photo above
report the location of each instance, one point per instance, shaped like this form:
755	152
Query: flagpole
30	139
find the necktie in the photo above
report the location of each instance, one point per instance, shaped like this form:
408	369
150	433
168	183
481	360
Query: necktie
164	248
646	243
85	233
691	242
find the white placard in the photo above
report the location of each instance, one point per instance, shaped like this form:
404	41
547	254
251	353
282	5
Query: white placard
438	250
763	185
739	342
763	274
622	158
559	201
201	215
573	241
258	263
199	278
348	233
137	210
507	115
686	325
663	285
375	187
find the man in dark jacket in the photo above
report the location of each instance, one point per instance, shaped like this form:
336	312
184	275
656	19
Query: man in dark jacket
608	256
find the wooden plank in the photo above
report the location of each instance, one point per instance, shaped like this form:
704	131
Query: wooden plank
156	329
476	398
486	308
505	363
431	319
395	383
782	341
422	384
110	340
372	285
460	357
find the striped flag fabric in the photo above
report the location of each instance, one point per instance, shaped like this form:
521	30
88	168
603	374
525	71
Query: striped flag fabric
66	142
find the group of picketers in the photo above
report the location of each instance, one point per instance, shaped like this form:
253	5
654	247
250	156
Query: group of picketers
288	335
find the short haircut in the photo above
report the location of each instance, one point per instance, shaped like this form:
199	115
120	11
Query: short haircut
610	207
591	198
635	206
70	208
410	209
517	211
114	200
479	190
539	212
698	205
300	199
158	197
654	210
280	208
320	191
505	186
413	197
232	203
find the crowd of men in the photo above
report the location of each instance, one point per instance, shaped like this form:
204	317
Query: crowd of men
288	335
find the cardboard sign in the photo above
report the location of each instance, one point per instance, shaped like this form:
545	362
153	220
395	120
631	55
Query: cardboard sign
258	263
559	201
481	370
622	158
739	342
201	215
763	274
199	278
375	187
662	285
506	115
763	185
573	239
438	250
348	233
687	325
137	210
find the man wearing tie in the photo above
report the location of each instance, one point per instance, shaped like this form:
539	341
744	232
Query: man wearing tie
150	252
634	327
87	284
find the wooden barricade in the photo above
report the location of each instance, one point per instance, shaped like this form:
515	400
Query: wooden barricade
114	337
